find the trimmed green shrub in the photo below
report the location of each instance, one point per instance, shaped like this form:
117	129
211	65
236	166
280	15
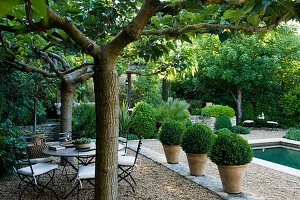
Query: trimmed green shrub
217	111
143	120
171	132
197	139
231	149
222	130
8	131
240	130
293	134
223	122
196	111
188	123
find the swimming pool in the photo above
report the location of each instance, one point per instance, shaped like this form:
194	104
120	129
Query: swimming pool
279	154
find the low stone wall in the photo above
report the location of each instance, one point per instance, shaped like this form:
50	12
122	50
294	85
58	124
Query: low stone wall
209	121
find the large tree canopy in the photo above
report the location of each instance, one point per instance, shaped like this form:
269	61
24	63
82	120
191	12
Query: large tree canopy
102	29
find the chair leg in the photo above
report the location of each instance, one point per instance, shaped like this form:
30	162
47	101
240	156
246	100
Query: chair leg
77	185
123	176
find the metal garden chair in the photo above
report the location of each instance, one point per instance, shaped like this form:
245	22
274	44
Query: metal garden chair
30	173
86	169
126	165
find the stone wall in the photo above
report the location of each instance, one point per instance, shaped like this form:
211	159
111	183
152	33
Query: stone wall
210	121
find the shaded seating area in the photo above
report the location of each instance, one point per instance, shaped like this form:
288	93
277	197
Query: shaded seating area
30	173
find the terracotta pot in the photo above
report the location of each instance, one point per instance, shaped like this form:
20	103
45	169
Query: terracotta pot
172	153
197	163
232	177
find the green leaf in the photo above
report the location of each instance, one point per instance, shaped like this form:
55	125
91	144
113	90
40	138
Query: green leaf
41	7
6	6
186	38
253	19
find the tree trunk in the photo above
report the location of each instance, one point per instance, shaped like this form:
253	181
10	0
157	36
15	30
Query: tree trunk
165	89
67	90
239	103
107	127
129	91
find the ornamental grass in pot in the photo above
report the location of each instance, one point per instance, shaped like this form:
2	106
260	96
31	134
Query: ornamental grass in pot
196	143
170	136
231	153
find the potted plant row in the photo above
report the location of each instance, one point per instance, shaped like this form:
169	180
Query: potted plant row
231	153
196	143
170	136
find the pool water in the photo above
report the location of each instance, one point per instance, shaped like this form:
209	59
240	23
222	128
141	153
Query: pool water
280	155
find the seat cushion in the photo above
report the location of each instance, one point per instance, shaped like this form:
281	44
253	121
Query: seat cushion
36	160
38	169
126	160
86	172
121	153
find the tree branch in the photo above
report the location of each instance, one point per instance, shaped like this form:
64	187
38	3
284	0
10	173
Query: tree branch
52	64
175	32
133	30
78	67
64	63
149	74
66	24
27	68
7	28
83	77
234	97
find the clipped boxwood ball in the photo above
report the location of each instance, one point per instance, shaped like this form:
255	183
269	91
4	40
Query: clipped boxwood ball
143	120
223	122
240	130
171	132
222	130
231	149
197	139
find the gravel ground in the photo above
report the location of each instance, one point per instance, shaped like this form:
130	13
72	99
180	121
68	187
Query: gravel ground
154	182
259	181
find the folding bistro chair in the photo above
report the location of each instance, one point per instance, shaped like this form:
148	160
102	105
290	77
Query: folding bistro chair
86	169
30	173
123	141
126	165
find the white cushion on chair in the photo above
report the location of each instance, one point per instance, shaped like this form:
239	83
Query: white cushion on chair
86	172
121	153
36	160
126	160
38	169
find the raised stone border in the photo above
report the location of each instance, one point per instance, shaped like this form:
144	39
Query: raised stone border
208	182
209	121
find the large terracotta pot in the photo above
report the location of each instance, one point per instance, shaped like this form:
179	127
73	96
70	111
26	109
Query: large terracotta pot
232	177
172	153
197	163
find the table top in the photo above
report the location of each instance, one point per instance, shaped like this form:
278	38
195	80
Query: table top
73	152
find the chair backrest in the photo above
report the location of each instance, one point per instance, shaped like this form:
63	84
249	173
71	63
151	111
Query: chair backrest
84	158
19	153
138	149
65	137
123	140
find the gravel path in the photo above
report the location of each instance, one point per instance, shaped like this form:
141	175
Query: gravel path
259	181
154	182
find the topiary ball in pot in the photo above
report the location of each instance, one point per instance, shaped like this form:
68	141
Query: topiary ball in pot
196	143
143	120
170	136
231	153
223	122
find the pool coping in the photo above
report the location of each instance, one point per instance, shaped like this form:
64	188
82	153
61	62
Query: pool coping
272	142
